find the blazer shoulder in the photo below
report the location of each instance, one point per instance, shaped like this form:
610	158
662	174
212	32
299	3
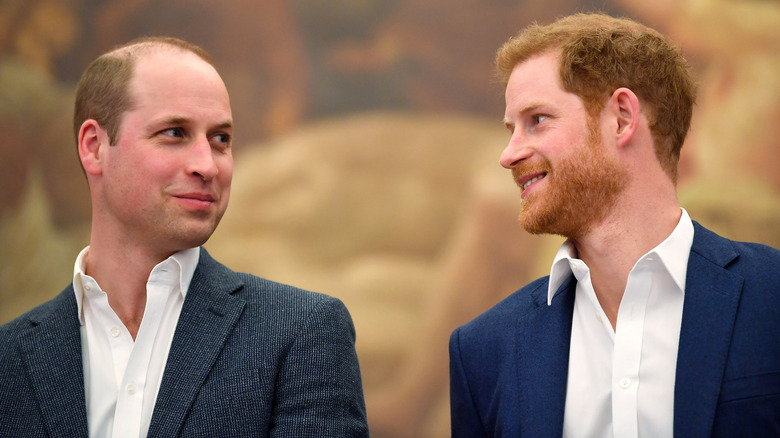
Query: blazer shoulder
269	300
752	261
254	289
273	293
510	310
39	313
759	255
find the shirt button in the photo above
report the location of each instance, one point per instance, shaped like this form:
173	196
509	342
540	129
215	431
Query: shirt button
114	332
87	288
625	383
130	389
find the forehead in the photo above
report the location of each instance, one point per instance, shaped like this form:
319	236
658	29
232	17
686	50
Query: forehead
174	77
538	73
536	82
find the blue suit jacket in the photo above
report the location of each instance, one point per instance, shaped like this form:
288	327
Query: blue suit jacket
508	367
249	357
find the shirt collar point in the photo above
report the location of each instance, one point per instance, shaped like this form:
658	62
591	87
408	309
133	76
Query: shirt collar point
561	269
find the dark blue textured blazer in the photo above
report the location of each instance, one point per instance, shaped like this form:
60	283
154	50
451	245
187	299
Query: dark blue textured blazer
249	357
508	367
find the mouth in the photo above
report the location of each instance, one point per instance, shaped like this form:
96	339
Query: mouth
205	197
529	180
197	200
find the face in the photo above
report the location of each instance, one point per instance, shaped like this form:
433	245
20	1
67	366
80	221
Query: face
166	183
568	179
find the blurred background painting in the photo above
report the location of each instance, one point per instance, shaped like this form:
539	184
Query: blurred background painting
368	136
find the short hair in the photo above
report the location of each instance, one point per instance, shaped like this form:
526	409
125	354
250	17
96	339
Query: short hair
600	54
103	93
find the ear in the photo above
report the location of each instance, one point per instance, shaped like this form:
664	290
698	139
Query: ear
91	141
624	106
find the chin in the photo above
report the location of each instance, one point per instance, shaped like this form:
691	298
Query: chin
190	238
547	221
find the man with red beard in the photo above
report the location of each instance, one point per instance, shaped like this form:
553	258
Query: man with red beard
648	324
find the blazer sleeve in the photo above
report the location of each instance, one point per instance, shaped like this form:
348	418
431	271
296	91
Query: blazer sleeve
464	418
319	389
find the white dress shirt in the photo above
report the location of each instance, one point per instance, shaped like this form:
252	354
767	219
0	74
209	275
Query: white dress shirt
621	382
122	376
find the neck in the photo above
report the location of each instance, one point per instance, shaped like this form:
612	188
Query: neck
122	270
612	248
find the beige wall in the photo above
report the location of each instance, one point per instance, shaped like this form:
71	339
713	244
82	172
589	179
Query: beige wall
368	135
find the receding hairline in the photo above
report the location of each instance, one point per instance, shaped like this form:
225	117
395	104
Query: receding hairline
140	47
103	91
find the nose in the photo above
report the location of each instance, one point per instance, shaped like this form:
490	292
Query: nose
201	161
515	152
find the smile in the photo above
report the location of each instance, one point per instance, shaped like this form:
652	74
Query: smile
531	181
196	200
195	203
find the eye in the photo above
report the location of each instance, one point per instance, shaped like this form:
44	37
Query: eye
173	132
539	118
221	140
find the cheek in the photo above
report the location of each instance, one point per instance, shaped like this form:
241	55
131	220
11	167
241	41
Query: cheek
225	178
225	167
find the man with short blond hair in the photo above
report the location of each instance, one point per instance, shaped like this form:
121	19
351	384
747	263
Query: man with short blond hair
154	337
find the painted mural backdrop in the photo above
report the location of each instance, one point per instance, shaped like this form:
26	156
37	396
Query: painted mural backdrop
368	135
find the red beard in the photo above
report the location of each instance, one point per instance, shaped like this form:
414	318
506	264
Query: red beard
579	192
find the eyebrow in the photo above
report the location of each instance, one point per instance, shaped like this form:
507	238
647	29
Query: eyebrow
173	121
227	124
526	109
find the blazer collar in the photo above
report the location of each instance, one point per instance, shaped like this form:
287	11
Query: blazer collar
543	361
51	350
711	298
207	318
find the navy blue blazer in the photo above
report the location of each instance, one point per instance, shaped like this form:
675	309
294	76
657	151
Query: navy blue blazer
249	357
508	367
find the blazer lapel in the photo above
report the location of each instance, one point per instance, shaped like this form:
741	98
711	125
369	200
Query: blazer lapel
51	351
711	298
543	362
207	318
